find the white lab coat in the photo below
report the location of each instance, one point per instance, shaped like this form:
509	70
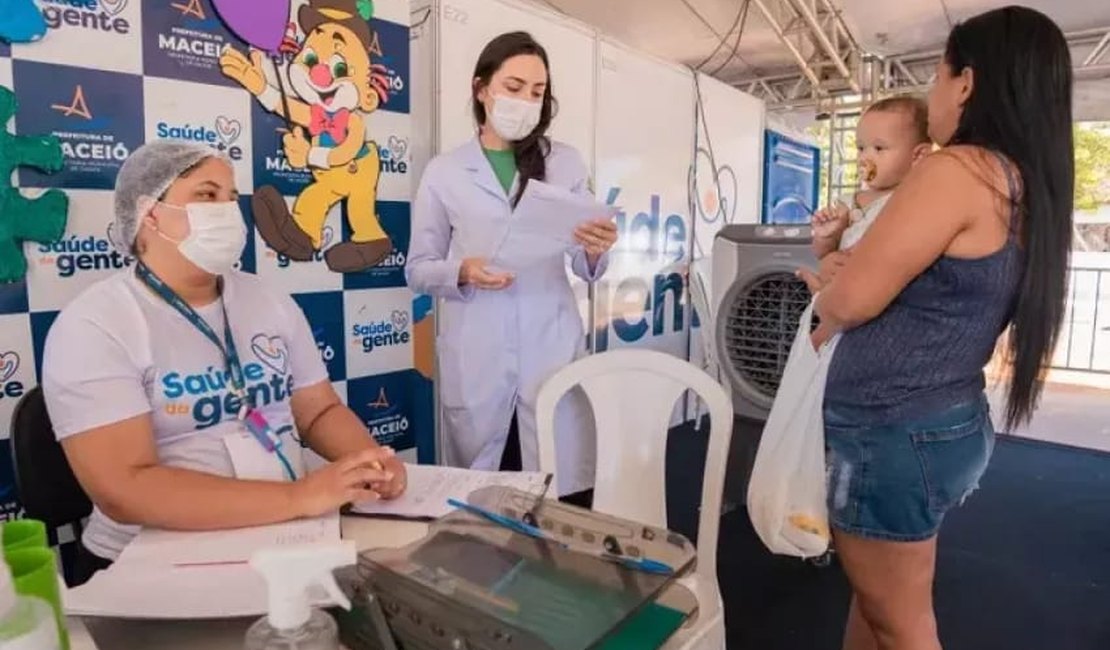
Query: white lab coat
496	348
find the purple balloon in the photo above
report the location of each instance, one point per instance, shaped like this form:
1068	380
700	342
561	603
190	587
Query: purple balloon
260	23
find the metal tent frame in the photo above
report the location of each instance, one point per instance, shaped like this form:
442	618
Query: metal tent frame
836	78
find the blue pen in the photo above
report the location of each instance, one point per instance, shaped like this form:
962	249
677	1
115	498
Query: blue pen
507	522
639	564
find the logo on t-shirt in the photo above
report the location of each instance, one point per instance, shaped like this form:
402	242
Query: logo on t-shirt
9	388
207	395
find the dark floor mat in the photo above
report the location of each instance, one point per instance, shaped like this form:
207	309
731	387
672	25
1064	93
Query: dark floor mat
1024	565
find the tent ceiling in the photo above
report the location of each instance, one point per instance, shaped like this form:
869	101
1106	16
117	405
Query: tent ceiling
886	27
688	31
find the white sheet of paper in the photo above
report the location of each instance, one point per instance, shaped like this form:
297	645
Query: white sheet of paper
149	581
216	592
429	487
542	225
168	548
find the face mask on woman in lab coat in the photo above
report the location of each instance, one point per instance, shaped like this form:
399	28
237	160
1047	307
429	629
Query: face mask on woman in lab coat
513	119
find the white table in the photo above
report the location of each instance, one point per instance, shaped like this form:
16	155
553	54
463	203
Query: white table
117	634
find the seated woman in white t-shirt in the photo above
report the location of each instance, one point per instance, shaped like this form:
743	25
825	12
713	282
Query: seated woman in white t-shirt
165	424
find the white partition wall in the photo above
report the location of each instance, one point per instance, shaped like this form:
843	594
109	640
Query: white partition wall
730	136
632	117
726	176
645	135
422	41
466	26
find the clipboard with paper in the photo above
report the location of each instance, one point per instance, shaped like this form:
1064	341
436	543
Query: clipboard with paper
543	224
430	486
472	577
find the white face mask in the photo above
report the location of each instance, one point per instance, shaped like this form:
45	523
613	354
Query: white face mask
217	235
513	119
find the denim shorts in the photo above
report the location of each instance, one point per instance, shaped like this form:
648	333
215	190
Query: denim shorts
896	481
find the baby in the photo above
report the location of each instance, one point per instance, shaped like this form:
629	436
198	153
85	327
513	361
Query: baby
893	134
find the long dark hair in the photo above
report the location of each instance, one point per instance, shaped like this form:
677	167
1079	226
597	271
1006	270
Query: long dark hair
1020	106
531	152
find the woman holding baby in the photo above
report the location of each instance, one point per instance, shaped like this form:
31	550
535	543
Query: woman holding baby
975	240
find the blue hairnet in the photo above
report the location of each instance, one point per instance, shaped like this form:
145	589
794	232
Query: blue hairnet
144	178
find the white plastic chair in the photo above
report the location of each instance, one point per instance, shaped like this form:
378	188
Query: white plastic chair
633	394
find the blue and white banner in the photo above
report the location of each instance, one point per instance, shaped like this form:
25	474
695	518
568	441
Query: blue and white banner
113	74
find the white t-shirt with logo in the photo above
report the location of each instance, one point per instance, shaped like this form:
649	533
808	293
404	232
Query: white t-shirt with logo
119	350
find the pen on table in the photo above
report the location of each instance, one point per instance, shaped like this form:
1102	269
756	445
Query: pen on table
511	524
640	564
530	516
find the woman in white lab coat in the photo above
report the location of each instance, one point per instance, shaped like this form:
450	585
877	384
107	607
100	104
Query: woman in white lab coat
502	335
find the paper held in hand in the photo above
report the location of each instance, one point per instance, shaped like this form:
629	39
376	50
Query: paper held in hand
542	225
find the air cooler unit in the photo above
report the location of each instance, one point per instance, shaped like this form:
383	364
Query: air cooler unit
757	301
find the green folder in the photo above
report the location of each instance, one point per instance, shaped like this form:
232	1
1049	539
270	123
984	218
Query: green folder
646	630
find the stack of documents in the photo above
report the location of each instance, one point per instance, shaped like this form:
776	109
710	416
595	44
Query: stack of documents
542	226
430	486
176	575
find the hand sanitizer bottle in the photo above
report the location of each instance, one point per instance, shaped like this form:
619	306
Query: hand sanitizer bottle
26	622
291	572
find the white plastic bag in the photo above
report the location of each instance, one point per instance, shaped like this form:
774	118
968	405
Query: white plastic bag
786	495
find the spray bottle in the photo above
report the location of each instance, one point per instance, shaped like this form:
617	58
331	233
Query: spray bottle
26	622
291	572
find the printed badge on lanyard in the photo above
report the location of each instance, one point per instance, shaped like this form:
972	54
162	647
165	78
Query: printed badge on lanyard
249	415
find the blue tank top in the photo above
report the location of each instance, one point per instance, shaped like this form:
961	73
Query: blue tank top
927	350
